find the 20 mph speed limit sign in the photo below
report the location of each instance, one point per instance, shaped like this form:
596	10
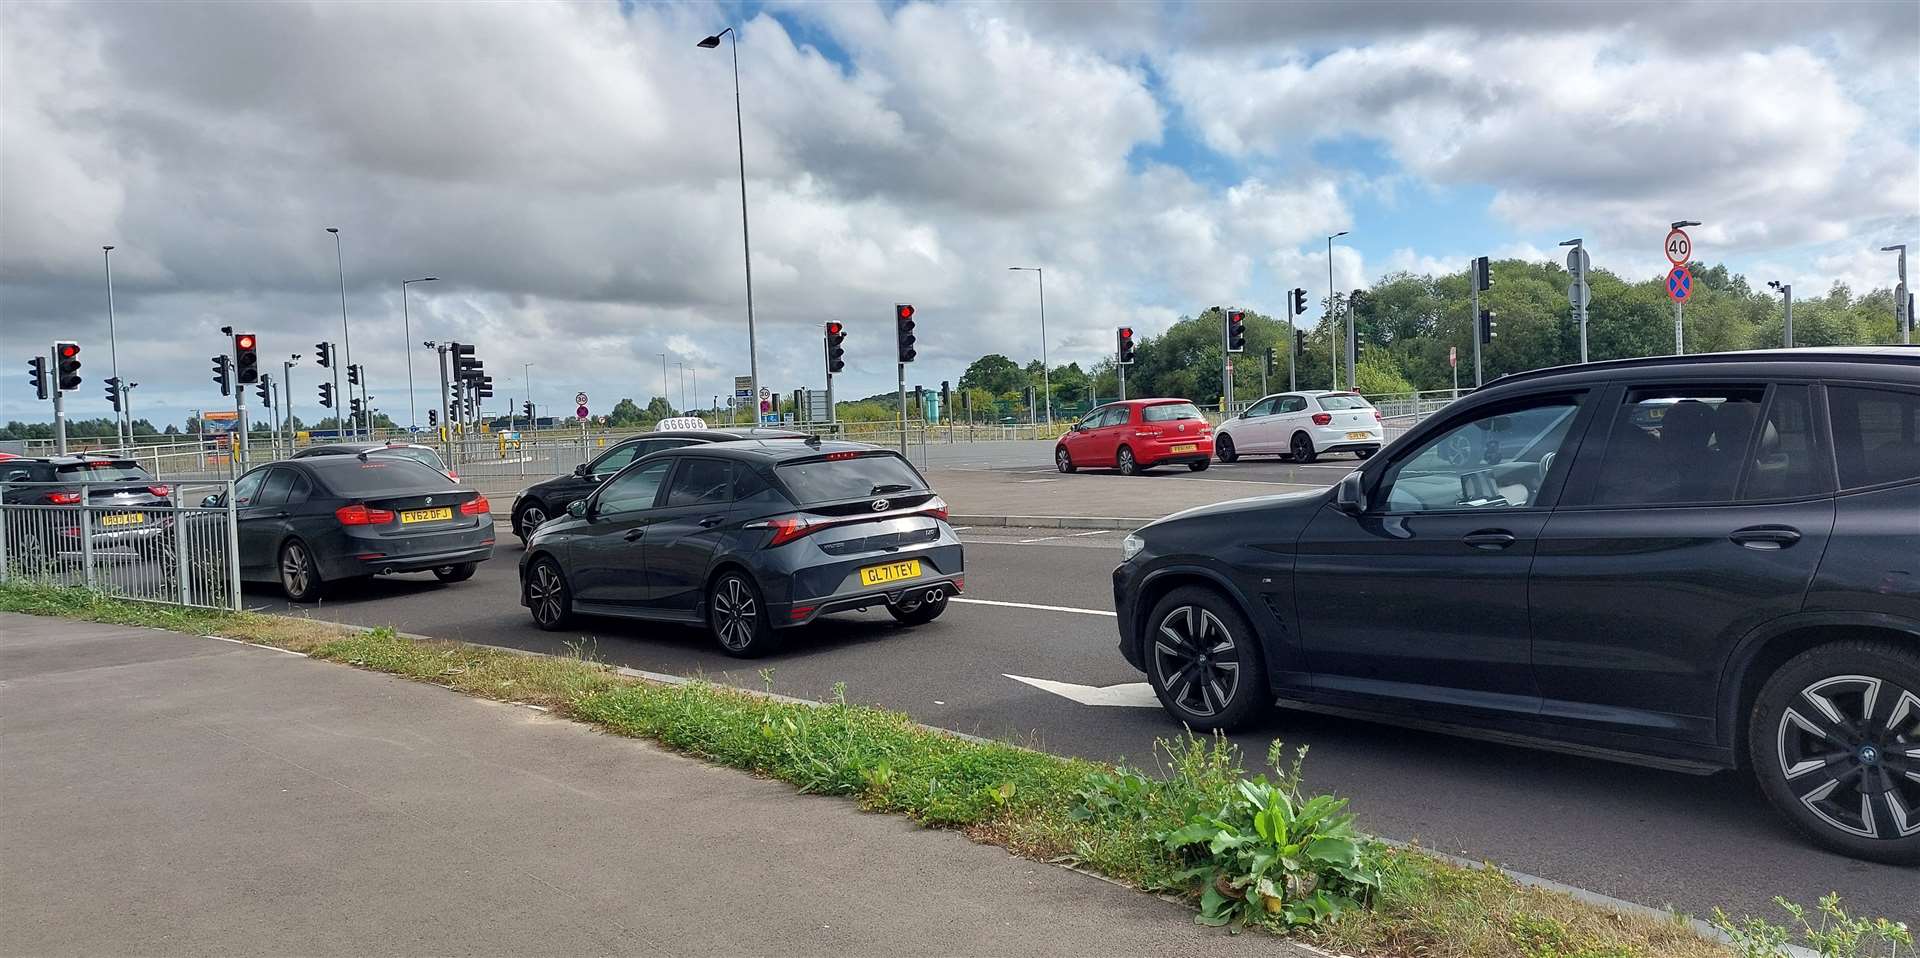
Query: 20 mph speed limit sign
1679	247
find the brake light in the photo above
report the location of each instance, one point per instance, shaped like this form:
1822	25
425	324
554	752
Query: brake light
785	529
1322	419
162	491
959	583
63	498
1376	415
937	508
1145	433
454	476
841	456
359	515
475	506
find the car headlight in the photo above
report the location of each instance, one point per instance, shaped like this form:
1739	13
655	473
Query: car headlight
1131	546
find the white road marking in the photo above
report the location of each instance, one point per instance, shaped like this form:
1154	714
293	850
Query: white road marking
1137	695
1041	539
1096	532
1025	481
1030	605
961	528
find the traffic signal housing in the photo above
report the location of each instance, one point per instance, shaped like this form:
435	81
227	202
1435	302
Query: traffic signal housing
1482	274
326	395
37	372
1236	330
1299	342
246	358
113	392
353	375
222	374
526	408
1488	322
264	389
1269	360
325	352
354	404
836	353
903	331
67	365
1299	301
433	419
1123	354
485	389
465	365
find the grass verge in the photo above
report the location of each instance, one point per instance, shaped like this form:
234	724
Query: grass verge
1110	820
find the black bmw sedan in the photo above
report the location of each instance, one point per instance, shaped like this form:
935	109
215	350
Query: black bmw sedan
1703	562
748	538
310	524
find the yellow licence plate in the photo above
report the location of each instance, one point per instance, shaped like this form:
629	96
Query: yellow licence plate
1186	447
425	515
891	572
1356	435
124	519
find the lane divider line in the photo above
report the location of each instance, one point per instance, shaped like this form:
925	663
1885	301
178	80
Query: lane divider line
1036	607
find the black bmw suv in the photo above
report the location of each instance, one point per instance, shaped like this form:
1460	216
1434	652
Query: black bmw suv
1702	562
550	497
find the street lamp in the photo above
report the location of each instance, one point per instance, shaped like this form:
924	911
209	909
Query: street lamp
665	396
681	367
1785	290
526	377
1331	324
113	350
1046	375
1902	299
286	386
346	334
1679	311
746	242
406	327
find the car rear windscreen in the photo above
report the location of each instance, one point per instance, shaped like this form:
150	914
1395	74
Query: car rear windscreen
1344	401
351	476
103	472
830	480
1170	412
425	457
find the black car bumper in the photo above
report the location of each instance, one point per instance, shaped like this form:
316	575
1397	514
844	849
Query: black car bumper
1126	591
1369	446
927	589
348	565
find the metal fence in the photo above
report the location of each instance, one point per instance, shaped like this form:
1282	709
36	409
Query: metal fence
178	550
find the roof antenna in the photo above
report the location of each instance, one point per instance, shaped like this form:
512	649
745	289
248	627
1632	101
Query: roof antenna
813	439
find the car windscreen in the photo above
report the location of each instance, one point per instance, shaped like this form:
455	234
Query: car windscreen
352	476
847	477
1343	401
1170	412
423	456
102	472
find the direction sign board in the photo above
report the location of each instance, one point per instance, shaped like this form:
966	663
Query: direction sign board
579	399
1679	248
1680	284
580	413
743	387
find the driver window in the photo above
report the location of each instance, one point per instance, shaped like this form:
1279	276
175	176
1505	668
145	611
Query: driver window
245	491
635	489
1262	408
615	460
1497	460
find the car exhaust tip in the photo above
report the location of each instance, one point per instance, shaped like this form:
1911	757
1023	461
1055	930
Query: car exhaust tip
933	595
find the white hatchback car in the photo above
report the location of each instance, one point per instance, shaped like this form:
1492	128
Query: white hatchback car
1303	425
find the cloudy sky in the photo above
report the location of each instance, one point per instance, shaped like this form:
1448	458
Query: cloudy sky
569	171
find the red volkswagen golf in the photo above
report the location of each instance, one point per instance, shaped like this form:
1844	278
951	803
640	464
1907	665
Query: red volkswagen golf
1137	434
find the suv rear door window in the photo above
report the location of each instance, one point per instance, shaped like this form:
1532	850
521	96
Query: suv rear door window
1171	412
831	480
1786	456
1876	435
1678	444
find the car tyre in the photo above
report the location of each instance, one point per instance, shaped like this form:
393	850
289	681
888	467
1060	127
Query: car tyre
1062	460
1302	448
1200	466
1125	463
528	519
1204	661
1368	453
1833	737
737	616
299	574
548	597
918	611
458	572
1223	447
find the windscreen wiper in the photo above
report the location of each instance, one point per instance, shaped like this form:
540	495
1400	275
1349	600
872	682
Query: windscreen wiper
889	487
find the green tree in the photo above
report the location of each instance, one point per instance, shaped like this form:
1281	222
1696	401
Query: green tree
994	373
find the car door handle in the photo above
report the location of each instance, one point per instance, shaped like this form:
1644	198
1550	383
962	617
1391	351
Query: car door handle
634	534
1491	540
711	521
1765	538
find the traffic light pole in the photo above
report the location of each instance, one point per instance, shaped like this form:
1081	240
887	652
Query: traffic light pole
1293	376
446	444
1473	319
1122	370
903	407
59	405
339	398
1226	365
239	450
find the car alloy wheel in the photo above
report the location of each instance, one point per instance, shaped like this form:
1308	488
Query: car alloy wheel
297	576
1125	463
530	519
734	614
1302	449
1061	460
1849	749
547	595
1197	661
1223	447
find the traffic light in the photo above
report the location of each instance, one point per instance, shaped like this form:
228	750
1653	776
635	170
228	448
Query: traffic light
1299	301
836	353
113	392
325	351
264	389
326	395
353	375
1300	342
246	358
67	372
1359	303
1236	330
433	419
903	331
465	366
920	401
946	397
486	387
223	375
527	409
1482	274
1269	360
354	405
1125	351
37	372
1487	324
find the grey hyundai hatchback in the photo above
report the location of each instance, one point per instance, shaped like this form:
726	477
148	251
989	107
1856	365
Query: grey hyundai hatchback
1701	562
748	538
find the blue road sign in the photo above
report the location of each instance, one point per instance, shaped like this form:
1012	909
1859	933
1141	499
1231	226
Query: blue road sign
1680	284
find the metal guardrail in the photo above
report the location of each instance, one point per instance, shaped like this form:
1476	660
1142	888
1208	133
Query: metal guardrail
171	553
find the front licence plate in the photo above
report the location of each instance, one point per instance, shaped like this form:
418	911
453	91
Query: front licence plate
1356	435
124	519
425	515
891	572
1185	447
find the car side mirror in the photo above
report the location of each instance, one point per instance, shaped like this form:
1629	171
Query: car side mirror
578	507
580	470
210	502
1349	494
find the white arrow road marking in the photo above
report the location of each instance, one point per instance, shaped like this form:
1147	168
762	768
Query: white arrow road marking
1029	605
1127	694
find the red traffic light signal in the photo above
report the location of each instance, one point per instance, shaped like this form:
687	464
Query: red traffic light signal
69	350
833	329
245	341
904	311
1236	330
1125	357
903	332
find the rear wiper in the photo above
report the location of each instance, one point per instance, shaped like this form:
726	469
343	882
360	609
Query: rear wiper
890	487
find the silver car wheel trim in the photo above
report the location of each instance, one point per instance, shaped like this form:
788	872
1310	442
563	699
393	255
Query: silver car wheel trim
734	614
1855	766
530	519
1188	659
545	594
293	569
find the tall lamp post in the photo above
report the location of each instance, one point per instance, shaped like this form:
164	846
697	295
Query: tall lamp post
286	389
1786	292
113	353
346	334
1902	299
665	396
746	242
1332	321
1046	374
406	326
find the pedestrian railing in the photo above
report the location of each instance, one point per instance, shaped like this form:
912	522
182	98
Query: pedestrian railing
175	543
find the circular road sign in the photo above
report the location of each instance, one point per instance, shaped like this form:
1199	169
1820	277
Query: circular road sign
579	399
1680	284
1679	247
580	413
1580	294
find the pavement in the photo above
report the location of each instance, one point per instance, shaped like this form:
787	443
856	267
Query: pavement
1038	606
176	795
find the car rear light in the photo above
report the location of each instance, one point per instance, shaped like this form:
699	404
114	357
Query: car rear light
936	507
959	583
63	498
785	528
70	532
161	491
1376	415
359	515
454	476
475	506
841	456
1322	419
1146	433
800	612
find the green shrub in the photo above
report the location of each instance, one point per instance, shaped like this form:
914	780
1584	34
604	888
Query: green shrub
1835	935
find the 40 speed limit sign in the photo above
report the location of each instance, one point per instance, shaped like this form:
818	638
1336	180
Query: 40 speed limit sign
1679	247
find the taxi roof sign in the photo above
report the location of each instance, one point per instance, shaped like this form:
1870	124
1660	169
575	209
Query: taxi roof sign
680	422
